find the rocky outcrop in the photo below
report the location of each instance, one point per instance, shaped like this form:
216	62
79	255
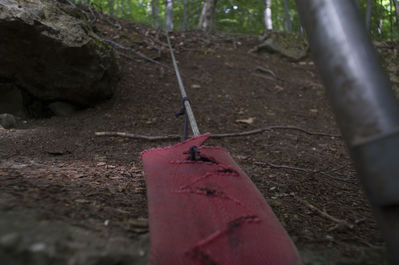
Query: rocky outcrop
289	45
49	51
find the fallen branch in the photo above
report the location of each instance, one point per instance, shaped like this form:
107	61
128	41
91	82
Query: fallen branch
137	136
220	135
340	223
270	128
312	171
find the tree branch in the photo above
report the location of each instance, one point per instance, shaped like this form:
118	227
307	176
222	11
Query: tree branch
137	136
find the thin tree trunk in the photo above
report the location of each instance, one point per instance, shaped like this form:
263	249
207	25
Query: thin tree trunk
155	12
397	12
169	15
126	8
207	14
268	15
368	14
391	19
118	7
288	22
185	18
111	4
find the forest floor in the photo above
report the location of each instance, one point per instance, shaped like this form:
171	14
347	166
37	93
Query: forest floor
85	195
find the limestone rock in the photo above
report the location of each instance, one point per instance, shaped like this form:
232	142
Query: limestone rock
289	45
7	121
49	51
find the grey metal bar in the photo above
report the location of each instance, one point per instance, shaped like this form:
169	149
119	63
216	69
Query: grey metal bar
364	105
190	114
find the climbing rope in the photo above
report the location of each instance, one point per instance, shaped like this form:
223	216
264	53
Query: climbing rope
186	110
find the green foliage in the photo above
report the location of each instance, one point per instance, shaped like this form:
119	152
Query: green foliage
237	16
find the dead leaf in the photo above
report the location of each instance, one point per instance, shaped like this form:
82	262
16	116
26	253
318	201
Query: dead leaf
247	121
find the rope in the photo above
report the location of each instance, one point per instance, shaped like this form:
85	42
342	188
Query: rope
187	107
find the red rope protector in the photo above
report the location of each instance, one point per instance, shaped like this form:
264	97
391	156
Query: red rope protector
208	212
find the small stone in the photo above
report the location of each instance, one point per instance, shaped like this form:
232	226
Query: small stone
9	240
38	247
7	121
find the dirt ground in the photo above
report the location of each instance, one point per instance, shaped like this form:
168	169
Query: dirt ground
60	172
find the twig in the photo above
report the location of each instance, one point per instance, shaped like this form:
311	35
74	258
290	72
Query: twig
264	76
261	130
286	167
312	171
367	243
339	222
133	51
267	71
137	136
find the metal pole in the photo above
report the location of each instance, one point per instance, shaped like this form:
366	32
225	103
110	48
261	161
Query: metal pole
364	105
190	114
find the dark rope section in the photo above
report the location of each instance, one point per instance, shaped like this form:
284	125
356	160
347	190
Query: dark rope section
183	111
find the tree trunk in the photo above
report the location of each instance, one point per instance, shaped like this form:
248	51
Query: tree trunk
268	15
397	11
288	23
169	15
391	19
118	7
207	14
185	18
111	4
126	8
368	14
155	12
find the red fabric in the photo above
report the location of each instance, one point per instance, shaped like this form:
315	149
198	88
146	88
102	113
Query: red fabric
204	213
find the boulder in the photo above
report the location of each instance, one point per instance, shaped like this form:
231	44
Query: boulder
289	45
50	52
